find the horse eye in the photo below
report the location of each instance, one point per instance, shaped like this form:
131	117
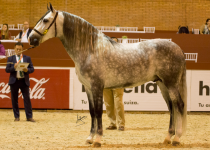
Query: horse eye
45	20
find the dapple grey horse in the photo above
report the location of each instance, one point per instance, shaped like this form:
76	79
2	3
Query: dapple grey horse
102	63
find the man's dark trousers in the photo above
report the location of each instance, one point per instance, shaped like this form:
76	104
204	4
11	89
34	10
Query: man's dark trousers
20	84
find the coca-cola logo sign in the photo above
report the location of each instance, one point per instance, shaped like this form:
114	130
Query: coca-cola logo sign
49	88
5	90
36	92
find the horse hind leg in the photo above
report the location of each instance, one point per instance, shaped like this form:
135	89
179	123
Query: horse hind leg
178	109
165	94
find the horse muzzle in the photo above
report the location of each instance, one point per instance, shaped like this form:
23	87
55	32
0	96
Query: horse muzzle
34	40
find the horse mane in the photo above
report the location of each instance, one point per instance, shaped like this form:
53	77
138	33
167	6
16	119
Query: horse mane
111	40
81	35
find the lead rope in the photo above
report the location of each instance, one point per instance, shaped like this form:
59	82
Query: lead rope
14	55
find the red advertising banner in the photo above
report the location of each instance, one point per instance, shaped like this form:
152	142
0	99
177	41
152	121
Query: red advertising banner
49	89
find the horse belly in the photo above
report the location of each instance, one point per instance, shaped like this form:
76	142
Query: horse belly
130	78
130	69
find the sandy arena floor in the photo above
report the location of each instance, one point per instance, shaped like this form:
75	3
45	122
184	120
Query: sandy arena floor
58	130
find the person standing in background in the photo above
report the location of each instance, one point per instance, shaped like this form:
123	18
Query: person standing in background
5	34
23	35
113	99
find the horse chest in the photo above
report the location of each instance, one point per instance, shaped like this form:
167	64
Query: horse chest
83	77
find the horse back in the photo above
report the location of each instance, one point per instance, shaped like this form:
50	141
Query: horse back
129	65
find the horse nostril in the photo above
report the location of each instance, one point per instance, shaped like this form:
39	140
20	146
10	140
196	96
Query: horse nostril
35	40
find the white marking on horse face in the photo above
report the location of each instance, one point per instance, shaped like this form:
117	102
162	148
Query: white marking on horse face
41	26
51	33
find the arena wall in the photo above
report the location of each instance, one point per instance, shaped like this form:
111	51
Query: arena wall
162	14
59	88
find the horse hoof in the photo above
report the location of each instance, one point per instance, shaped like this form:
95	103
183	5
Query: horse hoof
96	144
166	142
89	142
175	143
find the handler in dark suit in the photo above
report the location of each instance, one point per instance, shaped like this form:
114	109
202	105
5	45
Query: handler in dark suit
20	80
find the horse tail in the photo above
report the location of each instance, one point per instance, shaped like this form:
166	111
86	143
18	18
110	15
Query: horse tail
183	93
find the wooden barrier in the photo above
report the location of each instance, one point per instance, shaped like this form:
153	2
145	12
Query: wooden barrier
52	53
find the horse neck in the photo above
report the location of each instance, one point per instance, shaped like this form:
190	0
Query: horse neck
79	38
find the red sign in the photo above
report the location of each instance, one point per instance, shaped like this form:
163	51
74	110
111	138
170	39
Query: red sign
49	89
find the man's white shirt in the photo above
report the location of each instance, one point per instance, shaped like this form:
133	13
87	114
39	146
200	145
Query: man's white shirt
24	36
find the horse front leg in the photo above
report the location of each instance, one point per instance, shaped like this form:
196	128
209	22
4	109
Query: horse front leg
98	103
97	92
92	130
95	97
89	140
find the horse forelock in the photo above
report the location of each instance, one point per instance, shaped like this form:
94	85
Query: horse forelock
79	34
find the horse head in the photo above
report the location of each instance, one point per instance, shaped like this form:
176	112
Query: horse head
47	27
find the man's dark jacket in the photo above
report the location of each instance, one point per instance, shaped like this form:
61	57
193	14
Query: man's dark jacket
10	69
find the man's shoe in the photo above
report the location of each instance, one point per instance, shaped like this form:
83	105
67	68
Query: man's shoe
17	119
111	128
30	119
121	128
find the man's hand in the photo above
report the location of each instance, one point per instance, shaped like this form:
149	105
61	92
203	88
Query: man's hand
25	70
15	65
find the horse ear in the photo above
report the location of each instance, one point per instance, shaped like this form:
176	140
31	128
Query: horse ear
48	7
51	8
187	27
179	27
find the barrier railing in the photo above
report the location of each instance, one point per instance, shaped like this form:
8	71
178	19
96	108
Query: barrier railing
9	52
11	26
149	29
191	56
113	28
141	40
120	40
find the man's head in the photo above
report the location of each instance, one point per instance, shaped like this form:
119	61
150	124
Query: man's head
115	39
18	48
25	25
